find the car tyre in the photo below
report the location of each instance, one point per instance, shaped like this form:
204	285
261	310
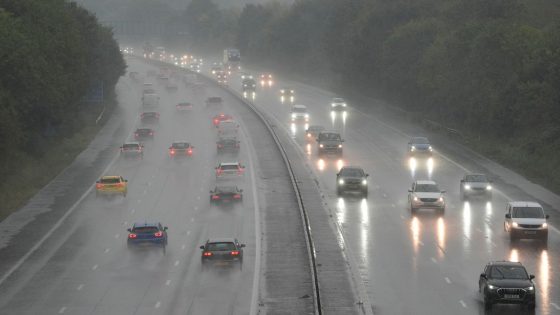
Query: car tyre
487	302
441	211
413	210
365	193
338	192
531	306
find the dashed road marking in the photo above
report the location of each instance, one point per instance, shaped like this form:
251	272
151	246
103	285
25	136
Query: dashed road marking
183	247
168	282
149	183
402	216
125	223
434	260
62	310
198	197
94	267
447	280
463	304
132	211
188	232
158	304
176	263
195	208
80	287
106	250
138	201
384	195
555	306
145	191
393	205
192	219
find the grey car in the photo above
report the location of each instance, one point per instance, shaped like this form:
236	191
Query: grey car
352	179
419	146
475	185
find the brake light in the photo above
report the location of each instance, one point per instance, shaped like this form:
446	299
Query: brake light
216	121
220	145
120	184
189	152
234	252
136	135
172	152
158	234
219	171
99	185
207	254
151	133
237	196
132	235
215	197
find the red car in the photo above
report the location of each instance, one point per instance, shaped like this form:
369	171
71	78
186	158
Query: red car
219	118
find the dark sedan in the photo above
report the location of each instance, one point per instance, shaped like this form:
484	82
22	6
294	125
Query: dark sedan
222	252
144	133
227	144
149	117
353	179
506	282
226	194
147	234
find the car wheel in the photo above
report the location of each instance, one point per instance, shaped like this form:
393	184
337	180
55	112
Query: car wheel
487	302
338	192
544	240
512	237
441	211
365	193
413	210
531	306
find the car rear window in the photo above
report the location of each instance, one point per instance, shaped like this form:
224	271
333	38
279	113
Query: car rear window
110	180
528	212
131	146
229	167
508	272
145	229
215	99
299	110
420	140
180	145
226	189
220	246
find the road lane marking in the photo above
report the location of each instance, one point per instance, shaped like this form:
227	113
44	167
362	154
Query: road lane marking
447	280
183	247
393	205
94	267
80	287
555	306
195	208
188	232
176	263
132	211
138	201
192	219
62	310
168	282
145	191
434	260
106	250
463	304
158	304
198	197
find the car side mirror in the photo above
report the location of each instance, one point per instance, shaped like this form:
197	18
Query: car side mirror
483	275
531	277
508	216
242	245
410	190
130	230
240	190
201	246
443	191
547	216
367	175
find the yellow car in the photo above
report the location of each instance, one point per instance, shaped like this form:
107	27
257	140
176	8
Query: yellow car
109	185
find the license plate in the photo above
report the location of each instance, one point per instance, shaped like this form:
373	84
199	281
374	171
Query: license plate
511	296
530	232
221	263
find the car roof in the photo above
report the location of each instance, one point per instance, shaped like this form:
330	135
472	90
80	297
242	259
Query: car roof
524	204
132	142
145	224
221	240
229	163
330	131
426	182
505	263
299	106
110	177
352	167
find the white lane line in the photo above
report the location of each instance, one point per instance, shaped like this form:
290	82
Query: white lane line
434	260
198	197
447	280
149	183
80	287
555	306
125	223
183	247
195	208
168	282
393	205
176	263
55	227
62	310
94	267
384	195
106	250
145	191
402	216
463	304
158	304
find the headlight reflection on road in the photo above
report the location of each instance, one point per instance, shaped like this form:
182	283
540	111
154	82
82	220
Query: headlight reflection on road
412	166
544	277
430	166
308	149
339	164
333	117
293	129
321	165
467	222
488	208
441	236
514	255
364	211
341	211
415	227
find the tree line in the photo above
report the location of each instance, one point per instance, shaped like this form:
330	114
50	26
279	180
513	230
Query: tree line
490	69
51	51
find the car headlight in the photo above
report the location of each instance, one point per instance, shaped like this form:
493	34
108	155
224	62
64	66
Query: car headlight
531	288
488	187
430	148
544	225
415	198
364	182
491	287
412	148
340	145
293	115
441	199
467	187
341	182
343	104
306	115
333	104
514	224
321	145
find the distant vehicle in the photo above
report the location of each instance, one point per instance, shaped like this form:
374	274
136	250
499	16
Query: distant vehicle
329	142
111	185
221	77
227	144
132	149
144	133
228	128
180	149
299	113
134	75
213	101
150	234
313	131
352	178
226	194
215	69
249	86
159	53
195	67
475	185
232	60
229	169
287	95
184	106
266	79
425	194
150	100
171	86
419	146
149	117
148	88
219	118
506	282
526	220
338	104
222	252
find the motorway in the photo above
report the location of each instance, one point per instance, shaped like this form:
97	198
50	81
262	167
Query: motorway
84	267
422	264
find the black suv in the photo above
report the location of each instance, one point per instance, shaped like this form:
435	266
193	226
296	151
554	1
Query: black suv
329	142
352	178
222	252
506	282
227	144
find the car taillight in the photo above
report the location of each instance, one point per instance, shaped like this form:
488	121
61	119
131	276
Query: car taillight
220	145
151	133
219	171
215	197
132	235
207	254
234	252
99	185
216	121
136	134
189	151
172	152
158	234
237	196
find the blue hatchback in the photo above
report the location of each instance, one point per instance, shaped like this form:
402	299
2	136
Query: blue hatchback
147	234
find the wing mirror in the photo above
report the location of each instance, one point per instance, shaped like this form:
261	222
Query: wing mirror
130	230
483	275
242	245
547	216
165	228
531	277
508	216
201	246
410	190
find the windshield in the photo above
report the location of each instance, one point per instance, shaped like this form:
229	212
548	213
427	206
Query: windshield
111	180
476	178
338	100
508	272
420	140
299	110
180	145
132	146
329	136
528	212
220	246
427	188
352	172
229	167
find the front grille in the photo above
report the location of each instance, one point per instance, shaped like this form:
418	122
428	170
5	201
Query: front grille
479	188
428	199
352	182
511	291
530	226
